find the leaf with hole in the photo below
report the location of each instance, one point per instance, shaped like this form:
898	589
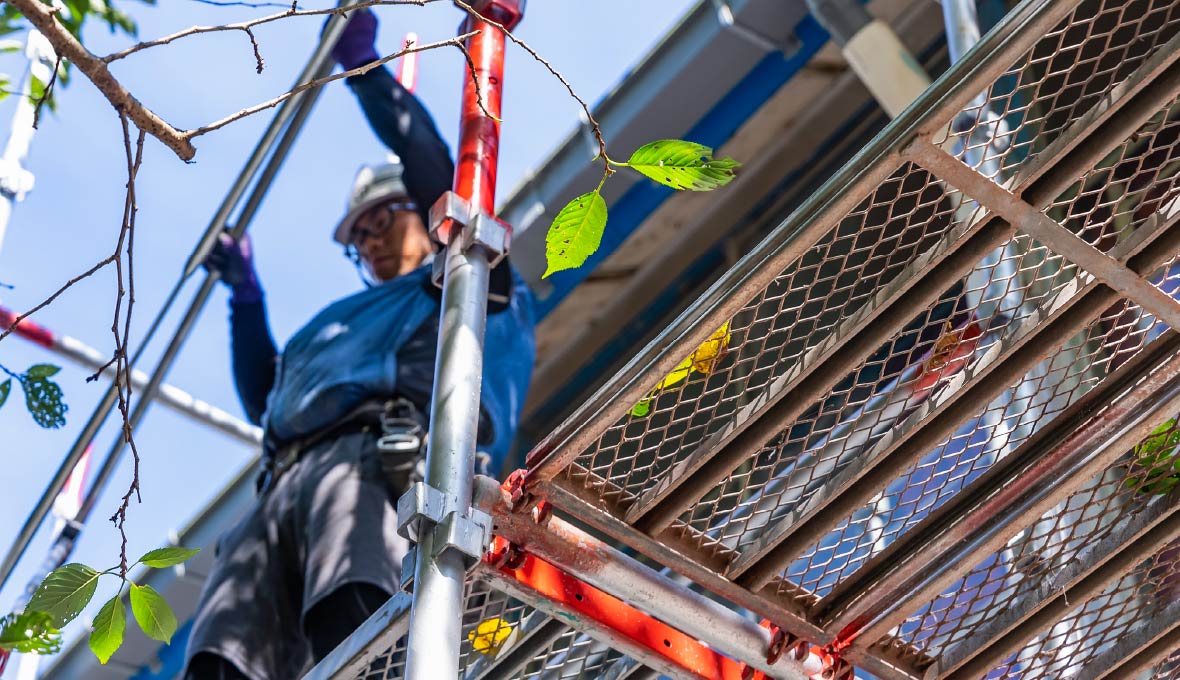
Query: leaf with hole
65	592
576	233
683	165
43	398
152	613
30	632
167	557
109	624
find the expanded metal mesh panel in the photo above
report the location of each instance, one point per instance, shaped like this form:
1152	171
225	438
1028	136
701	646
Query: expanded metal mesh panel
802	307
1077	641
1065	76
998	429
390	664
877	397
1169	669
573	656
789	459
1136	183
1039	554
493	625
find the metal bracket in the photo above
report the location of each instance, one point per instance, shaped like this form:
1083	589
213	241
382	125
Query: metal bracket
423	509
454	221
419	509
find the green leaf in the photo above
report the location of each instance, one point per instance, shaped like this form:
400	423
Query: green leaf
65	592
152	613
576	233
109	625
43	370
683	165
1158	457
5	388
43	398
641	409
168	557
30	632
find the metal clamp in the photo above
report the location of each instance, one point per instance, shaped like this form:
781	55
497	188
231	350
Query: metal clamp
454	221
469	535
419	509
423	509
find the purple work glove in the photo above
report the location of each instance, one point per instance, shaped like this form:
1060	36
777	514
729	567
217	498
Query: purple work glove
356	45
235	263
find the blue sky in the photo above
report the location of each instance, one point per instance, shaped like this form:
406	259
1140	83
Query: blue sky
72	217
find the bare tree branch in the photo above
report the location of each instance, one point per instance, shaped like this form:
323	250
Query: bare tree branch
457	41
65	44
253	23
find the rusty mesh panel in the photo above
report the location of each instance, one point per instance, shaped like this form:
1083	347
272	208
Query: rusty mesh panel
1036	556
1064	76
498	613
833	280
389	664
1134	187
1167	277
1070	371
493	621
573	656
1079	639
1168	669
851	423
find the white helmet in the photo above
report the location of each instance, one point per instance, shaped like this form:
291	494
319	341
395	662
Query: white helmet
374	185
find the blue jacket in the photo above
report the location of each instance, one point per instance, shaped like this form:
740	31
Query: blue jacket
382	341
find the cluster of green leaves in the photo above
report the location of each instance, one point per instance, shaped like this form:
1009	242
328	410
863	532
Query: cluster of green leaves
74	16
1158	455
66	592
43	397
577	230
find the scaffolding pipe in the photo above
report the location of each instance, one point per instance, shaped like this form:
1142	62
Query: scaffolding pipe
320	62
591	560
440	575
173	397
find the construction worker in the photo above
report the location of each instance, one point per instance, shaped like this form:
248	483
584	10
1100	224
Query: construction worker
344	408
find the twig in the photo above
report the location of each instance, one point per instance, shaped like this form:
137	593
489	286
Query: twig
47	93
556	74
253	23
21	317
122	369
475	81
68	47
197	132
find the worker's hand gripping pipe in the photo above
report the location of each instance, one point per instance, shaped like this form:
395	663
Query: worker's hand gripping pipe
287	122
473	242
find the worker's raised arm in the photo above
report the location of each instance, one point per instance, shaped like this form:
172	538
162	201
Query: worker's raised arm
396	115
251	345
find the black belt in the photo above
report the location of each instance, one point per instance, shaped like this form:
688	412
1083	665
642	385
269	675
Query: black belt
402	442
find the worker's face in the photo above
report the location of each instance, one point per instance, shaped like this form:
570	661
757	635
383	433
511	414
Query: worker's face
390	242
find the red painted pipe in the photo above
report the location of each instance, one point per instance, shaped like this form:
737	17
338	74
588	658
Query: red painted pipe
479	134
27	329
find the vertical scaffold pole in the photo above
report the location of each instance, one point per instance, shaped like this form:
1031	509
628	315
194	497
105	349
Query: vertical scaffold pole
461	223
